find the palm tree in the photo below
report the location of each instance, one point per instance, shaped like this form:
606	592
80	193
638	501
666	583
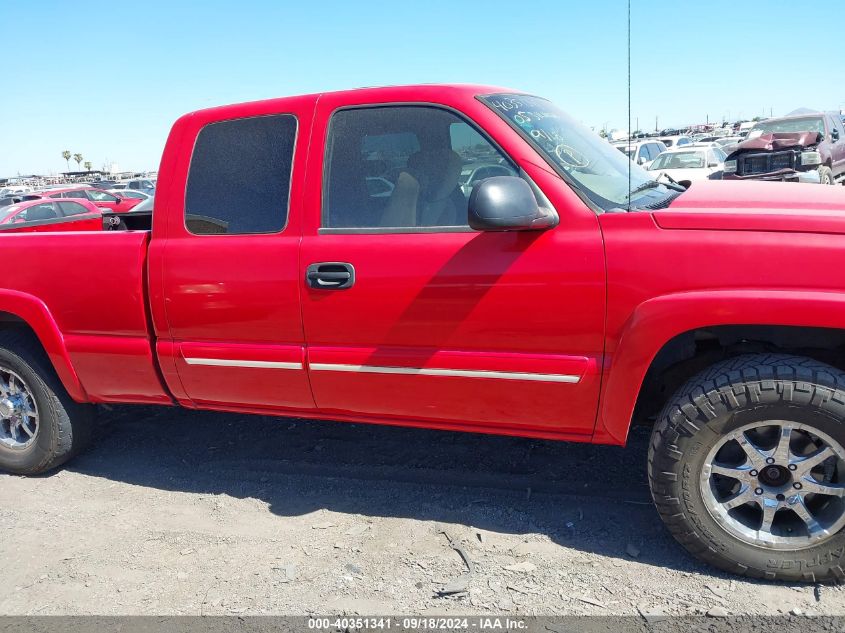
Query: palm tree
66	156
78	159
87	165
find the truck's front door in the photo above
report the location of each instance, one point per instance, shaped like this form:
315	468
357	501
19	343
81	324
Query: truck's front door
224	259
412	317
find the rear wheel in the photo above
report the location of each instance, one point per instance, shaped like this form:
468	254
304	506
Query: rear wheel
40	425
747	467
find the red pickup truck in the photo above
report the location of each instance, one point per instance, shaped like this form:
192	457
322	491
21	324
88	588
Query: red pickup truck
322	256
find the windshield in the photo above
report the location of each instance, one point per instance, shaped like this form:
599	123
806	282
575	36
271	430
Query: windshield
589	163
804	124
678	160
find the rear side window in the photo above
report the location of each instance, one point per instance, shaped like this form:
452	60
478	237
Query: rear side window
72	208
239	180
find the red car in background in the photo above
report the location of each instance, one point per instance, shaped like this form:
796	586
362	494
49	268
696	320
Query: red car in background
42	215
100	198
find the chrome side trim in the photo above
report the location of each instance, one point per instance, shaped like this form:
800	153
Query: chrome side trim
461	373
258	364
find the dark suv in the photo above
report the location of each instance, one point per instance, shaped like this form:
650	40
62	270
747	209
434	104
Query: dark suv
796	148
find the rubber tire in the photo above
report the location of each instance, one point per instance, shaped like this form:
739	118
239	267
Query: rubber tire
64	426
721	398
826	176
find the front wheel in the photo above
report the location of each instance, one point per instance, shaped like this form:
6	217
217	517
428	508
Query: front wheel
826	176
747	467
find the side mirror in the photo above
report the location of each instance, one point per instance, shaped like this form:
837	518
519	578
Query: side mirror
834	134
712	164
506	203
641	160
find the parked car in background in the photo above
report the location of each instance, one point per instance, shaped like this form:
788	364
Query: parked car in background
14	190
728	143
44	215
146	206
685	165
641	152
474	173
379	187
675	141
142	184
796	148
103	199
130	193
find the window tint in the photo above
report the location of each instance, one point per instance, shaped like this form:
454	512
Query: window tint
72	208
78	193
404	167
239	178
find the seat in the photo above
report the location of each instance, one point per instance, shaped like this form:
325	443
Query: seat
427	192
349	203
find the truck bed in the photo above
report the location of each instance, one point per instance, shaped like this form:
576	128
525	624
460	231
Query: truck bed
91	285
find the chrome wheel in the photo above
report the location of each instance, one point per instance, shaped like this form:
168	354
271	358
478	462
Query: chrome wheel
18	411
776	484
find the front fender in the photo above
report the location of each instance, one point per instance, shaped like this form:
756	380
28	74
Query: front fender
36	315
656	321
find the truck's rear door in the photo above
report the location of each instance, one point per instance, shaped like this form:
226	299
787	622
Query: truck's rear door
410	315
224	258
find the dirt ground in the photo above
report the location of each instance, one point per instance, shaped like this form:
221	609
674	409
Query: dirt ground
176	512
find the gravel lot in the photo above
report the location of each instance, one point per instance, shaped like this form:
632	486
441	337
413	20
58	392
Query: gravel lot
180	512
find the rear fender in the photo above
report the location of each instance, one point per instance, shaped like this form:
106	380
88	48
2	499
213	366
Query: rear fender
656	321
34	313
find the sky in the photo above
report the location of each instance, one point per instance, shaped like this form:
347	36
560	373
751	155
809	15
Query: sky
107	79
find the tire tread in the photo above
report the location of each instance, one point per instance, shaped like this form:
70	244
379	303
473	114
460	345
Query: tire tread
799	380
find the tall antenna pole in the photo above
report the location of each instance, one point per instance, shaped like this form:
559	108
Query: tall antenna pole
629	100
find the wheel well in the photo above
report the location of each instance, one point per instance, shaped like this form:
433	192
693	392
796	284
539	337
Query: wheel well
9	321
686	354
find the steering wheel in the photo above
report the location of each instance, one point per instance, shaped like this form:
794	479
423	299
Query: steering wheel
571	156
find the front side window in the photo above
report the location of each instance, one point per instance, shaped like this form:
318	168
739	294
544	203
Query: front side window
36	212
404	167
239	179
72	208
